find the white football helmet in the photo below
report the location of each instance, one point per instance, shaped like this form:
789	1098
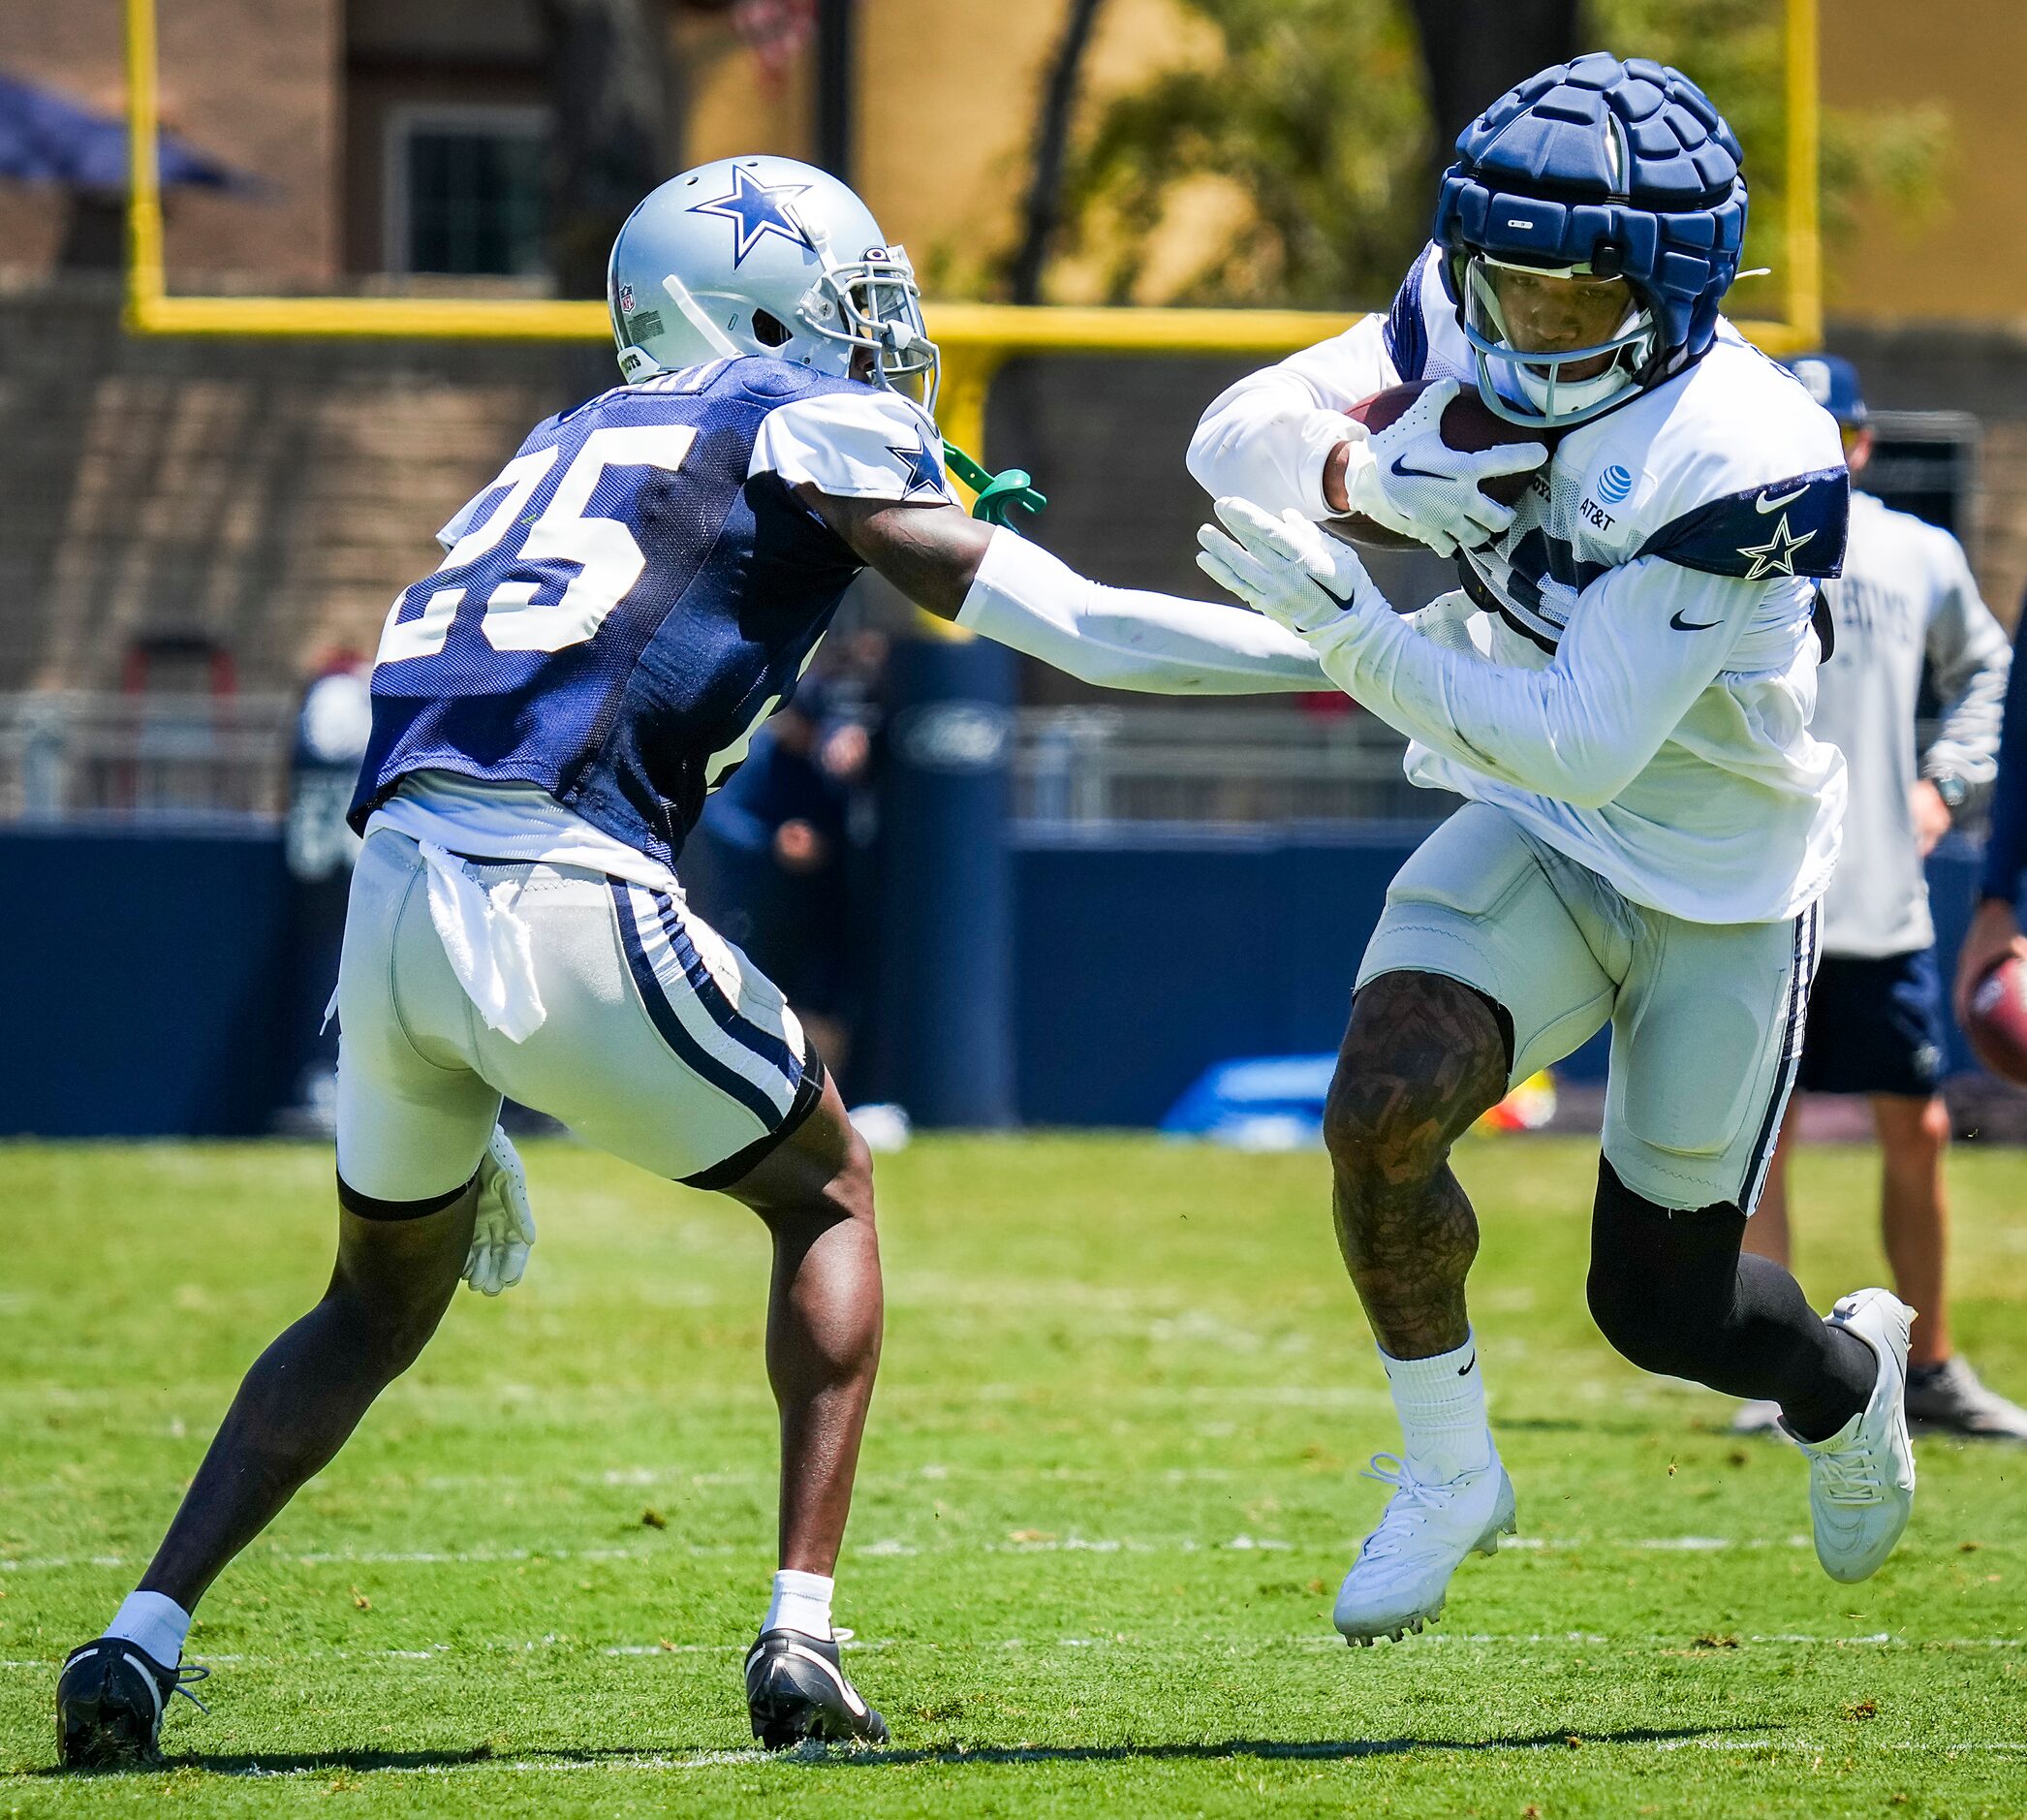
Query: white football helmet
766	255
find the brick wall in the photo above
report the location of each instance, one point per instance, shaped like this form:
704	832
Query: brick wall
272	496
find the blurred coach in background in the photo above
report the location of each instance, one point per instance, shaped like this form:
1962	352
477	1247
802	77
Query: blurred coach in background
1875	1023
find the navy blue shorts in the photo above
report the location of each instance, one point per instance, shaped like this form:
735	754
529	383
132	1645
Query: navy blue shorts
1874	1026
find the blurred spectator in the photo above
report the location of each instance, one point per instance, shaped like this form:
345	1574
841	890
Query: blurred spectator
782	827
332	726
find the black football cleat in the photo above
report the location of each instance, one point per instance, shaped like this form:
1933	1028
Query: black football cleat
109	1702
797	1691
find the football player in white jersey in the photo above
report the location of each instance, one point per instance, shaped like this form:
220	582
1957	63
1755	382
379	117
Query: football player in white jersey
1622	689
1874	1026
614	613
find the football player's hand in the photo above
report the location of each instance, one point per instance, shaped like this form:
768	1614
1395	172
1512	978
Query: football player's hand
1931	816
1297	574
1407	478
505	1226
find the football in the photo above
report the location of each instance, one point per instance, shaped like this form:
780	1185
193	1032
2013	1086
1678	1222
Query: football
1997	1028
1468	425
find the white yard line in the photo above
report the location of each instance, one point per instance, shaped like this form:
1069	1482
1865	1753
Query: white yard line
1308	1640
1019	1543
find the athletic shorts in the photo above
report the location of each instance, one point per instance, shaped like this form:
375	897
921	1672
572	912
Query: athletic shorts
1706	1018
1875	1025
661	1043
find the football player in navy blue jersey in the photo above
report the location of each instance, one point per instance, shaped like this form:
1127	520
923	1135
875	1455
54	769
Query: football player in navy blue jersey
640	587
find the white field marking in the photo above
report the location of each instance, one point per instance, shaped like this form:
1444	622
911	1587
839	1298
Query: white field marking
1326	1641
386	1557
214	1394
646	1478
896	1547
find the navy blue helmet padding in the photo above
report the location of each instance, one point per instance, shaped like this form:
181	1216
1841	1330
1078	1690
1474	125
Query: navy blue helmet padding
1624	166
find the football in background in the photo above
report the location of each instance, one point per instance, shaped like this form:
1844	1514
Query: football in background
1997	1028
1468	425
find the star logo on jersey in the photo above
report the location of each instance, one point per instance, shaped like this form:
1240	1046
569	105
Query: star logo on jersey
1775	556
755	210
925	471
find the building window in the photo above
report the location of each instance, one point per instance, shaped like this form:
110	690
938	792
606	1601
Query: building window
467	191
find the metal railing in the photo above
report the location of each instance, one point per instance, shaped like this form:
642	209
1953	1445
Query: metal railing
70	755
77	756
1088	767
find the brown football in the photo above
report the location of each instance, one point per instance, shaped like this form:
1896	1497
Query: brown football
1468	425
1997	1029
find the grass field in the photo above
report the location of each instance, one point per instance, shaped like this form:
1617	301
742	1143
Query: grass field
1109	1493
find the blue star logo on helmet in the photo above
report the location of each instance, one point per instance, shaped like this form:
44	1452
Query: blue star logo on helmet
755	210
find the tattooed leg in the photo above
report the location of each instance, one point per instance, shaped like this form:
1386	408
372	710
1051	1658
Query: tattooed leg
1423	1057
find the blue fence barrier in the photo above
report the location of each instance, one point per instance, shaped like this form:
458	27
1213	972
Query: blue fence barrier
140	976
144	976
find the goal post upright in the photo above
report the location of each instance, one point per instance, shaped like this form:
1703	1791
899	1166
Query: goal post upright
977	339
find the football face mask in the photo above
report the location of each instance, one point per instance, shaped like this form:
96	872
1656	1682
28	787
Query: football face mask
879	306
1553	345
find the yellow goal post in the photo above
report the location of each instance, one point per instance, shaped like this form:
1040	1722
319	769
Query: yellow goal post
975	338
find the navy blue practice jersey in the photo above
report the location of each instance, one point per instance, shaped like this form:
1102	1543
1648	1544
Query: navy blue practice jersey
638	590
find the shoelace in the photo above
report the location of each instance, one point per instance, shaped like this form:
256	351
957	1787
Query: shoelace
1848	1479
1406	1510
186	1673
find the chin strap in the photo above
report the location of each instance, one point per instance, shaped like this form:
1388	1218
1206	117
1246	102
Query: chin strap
998	493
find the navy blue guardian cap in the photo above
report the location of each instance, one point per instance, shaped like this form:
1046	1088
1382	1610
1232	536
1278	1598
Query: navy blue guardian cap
1598	169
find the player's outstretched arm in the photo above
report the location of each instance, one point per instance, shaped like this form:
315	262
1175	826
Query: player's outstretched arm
993	581
1579	731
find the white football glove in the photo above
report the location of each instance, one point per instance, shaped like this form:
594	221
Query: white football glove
505	1227
1297	574
1407	478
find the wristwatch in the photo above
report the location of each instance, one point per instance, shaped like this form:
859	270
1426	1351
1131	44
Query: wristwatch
1953	789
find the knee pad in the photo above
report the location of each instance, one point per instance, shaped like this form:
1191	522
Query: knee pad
1662	1282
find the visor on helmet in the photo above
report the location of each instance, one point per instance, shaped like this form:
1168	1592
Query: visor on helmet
1535	386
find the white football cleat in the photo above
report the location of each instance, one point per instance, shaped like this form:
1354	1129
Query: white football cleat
1862	1480
1402	1574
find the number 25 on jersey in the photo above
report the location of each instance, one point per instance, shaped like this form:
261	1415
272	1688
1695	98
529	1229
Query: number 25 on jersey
608	559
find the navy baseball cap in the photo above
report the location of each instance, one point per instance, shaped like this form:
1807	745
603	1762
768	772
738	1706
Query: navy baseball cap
1832	382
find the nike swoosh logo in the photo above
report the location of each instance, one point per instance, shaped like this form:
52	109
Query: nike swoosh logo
1417	474
1464	1369
1680	624
1766	502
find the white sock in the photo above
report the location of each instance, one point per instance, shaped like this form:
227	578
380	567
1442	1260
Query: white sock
800	1602
156	1622
1441	1403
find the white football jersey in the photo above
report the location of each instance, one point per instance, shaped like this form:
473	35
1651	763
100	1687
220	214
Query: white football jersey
1712	506
1905	595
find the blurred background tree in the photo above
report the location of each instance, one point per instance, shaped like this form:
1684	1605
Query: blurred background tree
612	85
1296	166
